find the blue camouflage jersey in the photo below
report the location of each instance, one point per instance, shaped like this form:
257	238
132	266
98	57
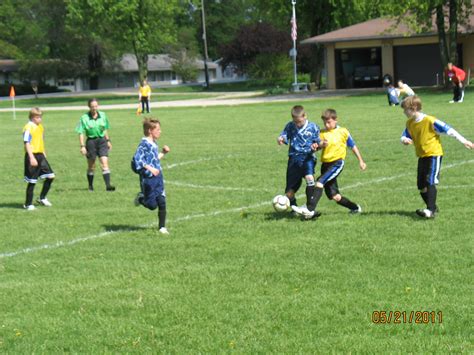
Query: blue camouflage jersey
300	139
146	154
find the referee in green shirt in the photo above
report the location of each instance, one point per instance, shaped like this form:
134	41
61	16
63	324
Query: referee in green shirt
95	142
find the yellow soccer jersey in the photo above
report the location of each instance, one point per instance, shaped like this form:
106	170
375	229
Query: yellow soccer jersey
145	90
33	134
338	140
424	136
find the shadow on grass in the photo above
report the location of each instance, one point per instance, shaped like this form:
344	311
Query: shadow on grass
276	216
12	205
123	228
409	214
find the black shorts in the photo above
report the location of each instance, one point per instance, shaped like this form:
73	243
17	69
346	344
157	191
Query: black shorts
41	171
428	171
329	173
297	170
96	147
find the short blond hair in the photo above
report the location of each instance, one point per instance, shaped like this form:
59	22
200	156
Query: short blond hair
297	111
150	123
35	111
412	103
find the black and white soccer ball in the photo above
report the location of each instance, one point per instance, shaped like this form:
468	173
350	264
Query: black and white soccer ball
281	203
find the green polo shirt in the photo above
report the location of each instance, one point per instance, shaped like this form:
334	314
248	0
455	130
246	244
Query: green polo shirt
93	128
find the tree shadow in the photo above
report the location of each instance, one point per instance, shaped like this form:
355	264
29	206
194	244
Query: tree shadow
123	228
12	205
276	216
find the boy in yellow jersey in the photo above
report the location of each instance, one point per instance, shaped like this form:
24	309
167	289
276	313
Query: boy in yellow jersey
335	141
36	165
144	95
423	132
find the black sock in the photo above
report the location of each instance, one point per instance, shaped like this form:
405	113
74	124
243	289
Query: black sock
431	200
90	180
107	179
347	203
424	196
310	195
29	194
317	193
293	201
46	187
161	217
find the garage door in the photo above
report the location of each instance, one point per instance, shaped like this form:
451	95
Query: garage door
418	65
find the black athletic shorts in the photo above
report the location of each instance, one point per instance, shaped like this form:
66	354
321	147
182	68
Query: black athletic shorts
96	147
41	171
329	173
428	171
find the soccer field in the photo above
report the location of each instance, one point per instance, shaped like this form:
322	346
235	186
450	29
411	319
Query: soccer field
91	274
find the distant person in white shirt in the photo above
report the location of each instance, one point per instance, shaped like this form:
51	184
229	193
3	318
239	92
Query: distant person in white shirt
404	90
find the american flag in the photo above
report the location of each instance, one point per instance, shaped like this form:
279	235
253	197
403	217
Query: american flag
293	28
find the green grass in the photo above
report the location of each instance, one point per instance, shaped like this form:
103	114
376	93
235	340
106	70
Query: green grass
249	281
113	99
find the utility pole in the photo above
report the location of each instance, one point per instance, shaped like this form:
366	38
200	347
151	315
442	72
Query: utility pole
204	40
293	51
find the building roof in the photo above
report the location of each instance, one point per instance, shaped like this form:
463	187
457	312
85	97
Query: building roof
380	28
8	65
156	62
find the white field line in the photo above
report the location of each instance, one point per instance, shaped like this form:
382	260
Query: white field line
211	187
189	162
60	244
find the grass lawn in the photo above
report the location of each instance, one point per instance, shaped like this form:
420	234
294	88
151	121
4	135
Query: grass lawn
92	275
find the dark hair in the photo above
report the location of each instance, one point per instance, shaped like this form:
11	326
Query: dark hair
150	123
329	113
91	101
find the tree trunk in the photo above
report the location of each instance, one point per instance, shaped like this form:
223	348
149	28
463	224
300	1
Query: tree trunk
95	66
317	64
453	31
443	45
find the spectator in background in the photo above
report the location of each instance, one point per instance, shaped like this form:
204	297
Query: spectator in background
456	76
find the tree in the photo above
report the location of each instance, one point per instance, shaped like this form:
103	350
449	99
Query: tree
253	40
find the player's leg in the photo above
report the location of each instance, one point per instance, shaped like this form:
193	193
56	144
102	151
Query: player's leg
31	177
103	152
461	93
293	181
309	166
162	213
47	174
143	105
428	175
90	173
91	148
147	105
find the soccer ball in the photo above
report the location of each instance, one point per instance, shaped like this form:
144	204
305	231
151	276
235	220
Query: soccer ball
281	203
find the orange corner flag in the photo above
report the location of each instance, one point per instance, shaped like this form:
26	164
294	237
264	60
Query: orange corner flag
12	92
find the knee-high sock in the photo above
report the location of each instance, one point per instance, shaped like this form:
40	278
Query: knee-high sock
317	193
106	175
431	198
90	178
29	194
46	187
347	203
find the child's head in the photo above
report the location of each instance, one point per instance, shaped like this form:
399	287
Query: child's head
400	83
411	105
449	66
298	115
93	105
35	115
329	118
152	128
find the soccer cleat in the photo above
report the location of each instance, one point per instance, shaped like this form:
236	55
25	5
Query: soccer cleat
425	213
357	210
91	188
452	101
163	230
137	199
297	209
110	188
29	207
44	202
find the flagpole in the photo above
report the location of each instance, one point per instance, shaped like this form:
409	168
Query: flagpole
293	36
